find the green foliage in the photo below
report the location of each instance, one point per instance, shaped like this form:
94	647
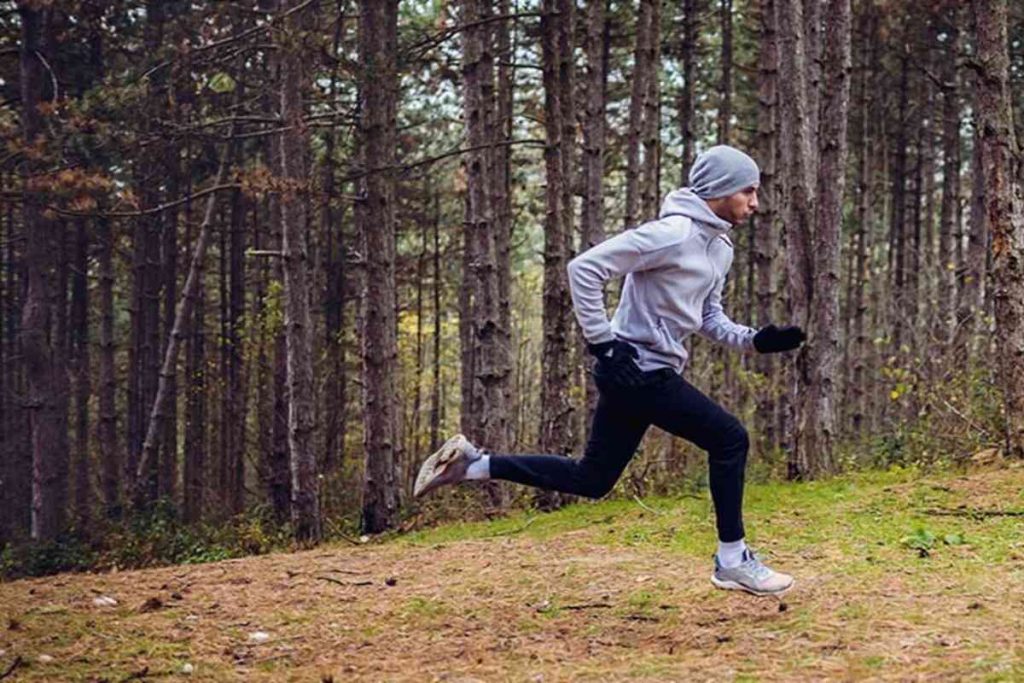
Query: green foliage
933	422
921	540
65	554
221	83
924	541
154	537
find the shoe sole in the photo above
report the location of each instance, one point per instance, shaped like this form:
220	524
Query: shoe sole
734	586
433	469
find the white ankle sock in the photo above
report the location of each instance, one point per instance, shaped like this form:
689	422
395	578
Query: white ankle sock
731	554
479	469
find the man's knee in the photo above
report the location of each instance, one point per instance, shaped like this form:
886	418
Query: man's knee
734	440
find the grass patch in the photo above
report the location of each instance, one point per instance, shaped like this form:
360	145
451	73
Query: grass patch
613	590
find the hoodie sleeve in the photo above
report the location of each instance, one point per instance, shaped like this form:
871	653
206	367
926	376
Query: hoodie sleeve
718	327
641	248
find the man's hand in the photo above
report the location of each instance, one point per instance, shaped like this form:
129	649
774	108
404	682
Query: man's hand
615	363
772	339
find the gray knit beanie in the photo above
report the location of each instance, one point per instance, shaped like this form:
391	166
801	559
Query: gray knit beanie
722	171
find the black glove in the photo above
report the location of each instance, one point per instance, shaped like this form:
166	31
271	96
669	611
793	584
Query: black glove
772	339
615	363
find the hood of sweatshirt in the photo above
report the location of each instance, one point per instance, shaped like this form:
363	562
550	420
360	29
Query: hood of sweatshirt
683	202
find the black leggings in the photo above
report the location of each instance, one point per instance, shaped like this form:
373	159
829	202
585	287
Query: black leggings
620	420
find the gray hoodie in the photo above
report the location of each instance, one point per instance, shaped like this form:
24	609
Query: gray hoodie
675	269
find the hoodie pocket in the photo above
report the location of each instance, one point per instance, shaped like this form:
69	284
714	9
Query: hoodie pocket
668	342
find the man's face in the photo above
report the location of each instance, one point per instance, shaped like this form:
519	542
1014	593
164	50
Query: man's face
737	207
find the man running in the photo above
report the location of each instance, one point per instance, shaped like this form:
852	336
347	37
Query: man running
674	268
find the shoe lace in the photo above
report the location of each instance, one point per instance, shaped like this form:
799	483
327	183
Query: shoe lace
756	567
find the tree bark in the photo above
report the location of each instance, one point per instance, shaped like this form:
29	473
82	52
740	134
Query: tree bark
79	357
688	55
594	144
857	340
972	273
897	230
41	355
798	208
435	393
725	84
503	189
194	474
764	235
639	93
110	458
1002	162
298	325
945	267
556	411
332	227
490	357
375	214
650	192
816	428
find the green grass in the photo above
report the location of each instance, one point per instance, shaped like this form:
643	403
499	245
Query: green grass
595	591
859	514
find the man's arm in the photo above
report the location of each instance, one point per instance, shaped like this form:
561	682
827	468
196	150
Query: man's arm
633	250
718	327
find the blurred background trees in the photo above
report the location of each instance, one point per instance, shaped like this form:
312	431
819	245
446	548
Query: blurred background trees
258	259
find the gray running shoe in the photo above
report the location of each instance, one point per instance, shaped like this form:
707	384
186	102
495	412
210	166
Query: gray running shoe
751	576
447	466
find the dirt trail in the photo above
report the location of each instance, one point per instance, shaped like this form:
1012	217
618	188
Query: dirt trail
524	608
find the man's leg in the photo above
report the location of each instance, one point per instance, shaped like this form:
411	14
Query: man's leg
618	426
686	412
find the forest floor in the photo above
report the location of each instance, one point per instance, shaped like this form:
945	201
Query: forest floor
887	588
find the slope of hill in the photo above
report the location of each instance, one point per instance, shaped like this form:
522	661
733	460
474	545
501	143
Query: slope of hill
899	576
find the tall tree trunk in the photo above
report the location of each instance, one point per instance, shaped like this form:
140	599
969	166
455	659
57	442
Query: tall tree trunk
435	393
490	357
234	389
467	297
813	63
556	411
413	442
594	143
194	474
945	266
502	183
725	84
40	352
857	340
797	206
764	236
688	56
298	326
639	93
1002	162
815	437
332	228
146	339
17	445
897	231
375	214
972	271
650	192
167	469
110	457
79	338
279	481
